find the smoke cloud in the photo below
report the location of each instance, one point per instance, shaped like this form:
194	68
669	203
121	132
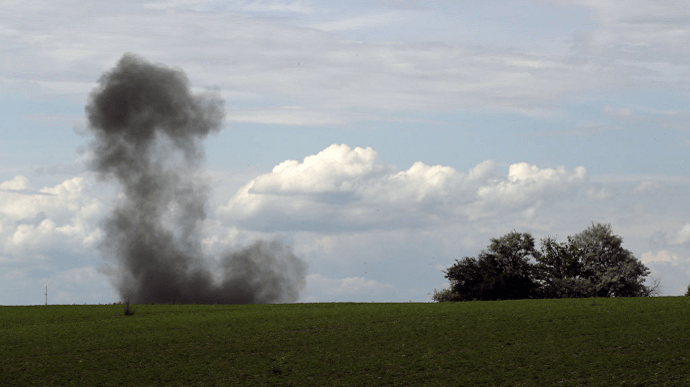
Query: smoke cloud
148	128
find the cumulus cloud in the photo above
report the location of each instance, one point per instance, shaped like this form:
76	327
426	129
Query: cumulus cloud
17	201
47	236
335	169
18	183
345	188
525	183
347	212
661	256
34	223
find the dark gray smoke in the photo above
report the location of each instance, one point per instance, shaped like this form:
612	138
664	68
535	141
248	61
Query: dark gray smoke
148	129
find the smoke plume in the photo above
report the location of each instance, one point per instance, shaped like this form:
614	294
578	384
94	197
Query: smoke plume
148	129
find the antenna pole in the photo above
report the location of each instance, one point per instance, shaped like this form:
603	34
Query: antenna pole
46	294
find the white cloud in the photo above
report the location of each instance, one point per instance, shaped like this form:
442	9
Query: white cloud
348	188
37	223
18	183
337	168
526	182
662	256
18	202
47	233
360	215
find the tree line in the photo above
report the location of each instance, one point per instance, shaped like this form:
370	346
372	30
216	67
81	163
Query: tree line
592	263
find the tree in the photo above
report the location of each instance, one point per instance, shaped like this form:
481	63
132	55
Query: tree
612	270
465	278
501	272
558	271
687	294
592	263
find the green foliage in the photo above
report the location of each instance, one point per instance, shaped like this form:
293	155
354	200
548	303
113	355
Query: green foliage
568	342
591	263
501	272
611	270
687	294
465	278
507	268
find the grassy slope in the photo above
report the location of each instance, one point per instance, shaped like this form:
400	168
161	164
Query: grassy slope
602	342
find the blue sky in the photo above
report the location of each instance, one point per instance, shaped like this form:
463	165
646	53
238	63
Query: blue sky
380	139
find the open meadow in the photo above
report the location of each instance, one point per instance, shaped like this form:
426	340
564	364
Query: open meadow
566	342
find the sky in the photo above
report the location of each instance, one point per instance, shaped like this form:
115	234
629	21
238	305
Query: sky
380	139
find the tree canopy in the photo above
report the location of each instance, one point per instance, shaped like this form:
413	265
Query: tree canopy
591	263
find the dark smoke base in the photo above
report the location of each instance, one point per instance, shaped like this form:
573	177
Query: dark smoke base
148	127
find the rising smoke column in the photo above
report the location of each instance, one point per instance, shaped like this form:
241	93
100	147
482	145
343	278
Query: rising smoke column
148	129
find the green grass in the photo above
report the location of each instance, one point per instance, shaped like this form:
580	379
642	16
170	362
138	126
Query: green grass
574	342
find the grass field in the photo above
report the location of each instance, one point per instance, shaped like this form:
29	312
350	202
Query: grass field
570	342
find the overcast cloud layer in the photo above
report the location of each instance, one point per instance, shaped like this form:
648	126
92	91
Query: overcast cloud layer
381	139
